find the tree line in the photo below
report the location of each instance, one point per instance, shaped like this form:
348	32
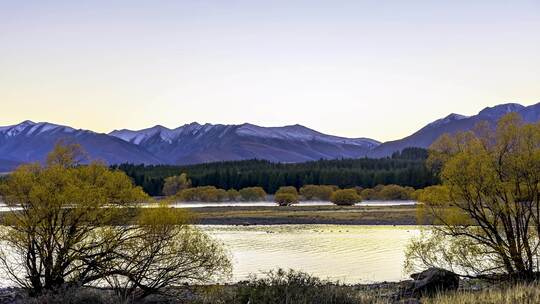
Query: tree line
406	168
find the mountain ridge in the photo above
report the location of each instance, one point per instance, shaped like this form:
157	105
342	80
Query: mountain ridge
453	123
194	143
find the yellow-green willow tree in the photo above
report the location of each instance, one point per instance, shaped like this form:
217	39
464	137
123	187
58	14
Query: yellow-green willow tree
81	225
488	206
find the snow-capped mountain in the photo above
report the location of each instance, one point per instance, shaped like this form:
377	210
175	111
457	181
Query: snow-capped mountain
454	123
196	143
30	142
447	119
199	143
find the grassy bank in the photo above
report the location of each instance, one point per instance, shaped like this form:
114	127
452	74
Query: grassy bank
335	215
383	293
288	287
266	215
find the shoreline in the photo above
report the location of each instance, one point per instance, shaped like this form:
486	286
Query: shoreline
394	215
303	215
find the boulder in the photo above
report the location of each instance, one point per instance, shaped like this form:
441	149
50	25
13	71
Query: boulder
431	281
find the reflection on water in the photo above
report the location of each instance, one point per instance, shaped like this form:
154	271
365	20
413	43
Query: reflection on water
270	204
350	254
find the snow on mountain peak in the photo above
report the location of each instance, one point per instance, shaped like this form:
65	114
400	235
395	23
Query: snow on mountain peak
29	128
447	119
136	137
500	110
298	133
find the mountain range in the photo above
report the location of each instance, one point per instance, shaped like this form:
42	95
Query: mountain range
199	143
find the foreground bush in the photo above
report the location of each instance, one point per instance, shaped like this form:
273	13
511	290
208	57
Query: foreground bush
286	196
345	197
285	287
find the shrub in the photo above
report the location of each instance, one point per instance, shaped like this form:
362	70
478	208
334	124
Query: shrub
202	194
317	192
388	193
367	194
345	197
286	196
286	199
253	194
395	192
281	287
233	195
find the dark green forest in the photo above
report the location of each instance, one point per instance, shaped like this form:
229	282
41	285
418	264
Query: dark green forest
405	169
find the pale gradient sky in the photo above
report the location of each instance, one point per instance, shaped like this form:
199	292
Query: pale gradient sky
379	69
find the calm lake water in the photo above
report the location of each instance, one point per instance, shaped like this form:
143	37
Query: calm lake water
350	254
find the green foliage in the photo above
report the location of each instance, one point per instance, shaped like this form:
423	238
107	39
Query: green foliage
270	176
345	197
286	196
388	193
317	192
252	194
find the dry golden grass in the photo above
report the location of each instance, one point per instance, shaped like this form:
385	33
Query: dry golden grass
522	294
355	215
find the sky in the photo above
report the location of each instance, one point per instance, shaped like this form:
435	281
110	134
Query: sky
379	69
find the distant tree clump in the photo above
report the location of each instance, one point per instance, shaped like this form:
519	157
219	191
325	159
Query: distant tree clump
253	194
202	194
388	193
176	183
233	195
411	153
345	197
286	196
76	224
317	192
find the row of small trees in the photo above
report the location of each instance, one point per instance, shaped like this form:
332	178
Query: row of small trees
350	196
285	195
213	194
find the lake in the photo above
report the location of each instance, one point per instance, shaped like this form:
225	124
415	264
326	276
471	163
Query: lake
350	254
